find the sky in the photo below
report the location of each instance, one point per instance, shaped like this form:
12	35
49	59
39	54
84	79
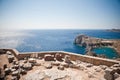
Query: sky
59	14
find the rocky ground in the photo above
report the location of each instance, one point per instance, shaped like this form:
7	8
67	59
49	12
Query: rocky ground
55	67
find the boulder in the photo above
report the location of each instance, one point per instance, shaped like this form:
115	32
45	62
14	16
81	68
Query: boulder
15	66
23	72
14	62
55	63
2	51
116	69
14	78
17	62
5	66
89	65
12	70
37	64
58	57
98	69
40	58
116	65
103	67
24	61
116	75
109	74
27	66
15	73
21	64
9	53
32	60
10	58
48	66
61	67
7	71
49	57
64	64
74	66
67	59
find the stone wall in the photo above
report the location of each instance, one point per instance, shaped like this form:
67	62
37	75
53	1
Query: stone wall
73	56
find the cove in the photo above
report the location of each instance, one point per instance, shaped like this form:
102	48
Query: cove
107	51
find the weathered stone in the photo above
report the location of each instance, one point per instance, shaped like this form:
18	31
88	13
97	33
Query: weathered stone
116	75
116	65
58	57
55	63
48	66
74	66
16	66
103	67
7	71
64	64
10	58
14	78
61	67
12	70
9	53
17	62
23	72
108	74
49	57
32	60
24	61
116	69
40	58
67	59
5	66
21	64
89	65
37	64
98	69
2	51
15	73
27	66
14	62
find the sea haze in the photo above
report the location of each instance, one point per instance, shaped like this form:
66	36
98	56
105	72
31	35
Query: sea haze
52	40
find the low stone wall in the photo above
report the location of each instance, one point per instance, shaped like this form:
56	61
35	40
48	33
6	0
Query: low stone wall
73	56
13	51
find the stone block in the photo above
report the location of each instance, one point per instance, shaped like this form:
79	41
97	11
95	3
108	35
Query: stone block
49	57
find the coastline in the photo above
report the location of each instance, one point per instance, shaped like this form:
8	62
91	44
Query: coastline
92	42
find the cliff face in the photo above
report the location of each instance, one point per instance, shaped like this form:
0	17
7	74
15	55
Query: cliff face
92	42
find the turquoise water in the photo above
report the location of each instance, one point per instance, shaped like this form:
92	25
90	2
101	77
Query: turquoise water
109	52
53	40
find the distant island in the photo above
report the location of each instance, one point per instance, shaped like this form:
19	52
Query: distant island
114	30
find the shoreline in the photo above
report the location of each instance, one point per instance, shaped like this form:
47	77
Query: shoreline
92	42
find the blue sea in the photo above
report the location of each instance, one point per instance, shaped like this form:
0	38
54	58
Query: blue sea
54	40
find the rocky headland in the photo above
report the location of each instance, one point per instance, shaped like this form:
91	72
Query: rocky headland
91	42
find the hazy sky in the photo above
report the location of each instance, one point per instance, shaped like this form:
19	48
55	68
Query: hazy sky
59	14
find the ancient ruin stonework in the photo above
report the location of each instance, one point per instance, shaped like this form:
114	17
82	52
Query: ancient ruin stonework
63	66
